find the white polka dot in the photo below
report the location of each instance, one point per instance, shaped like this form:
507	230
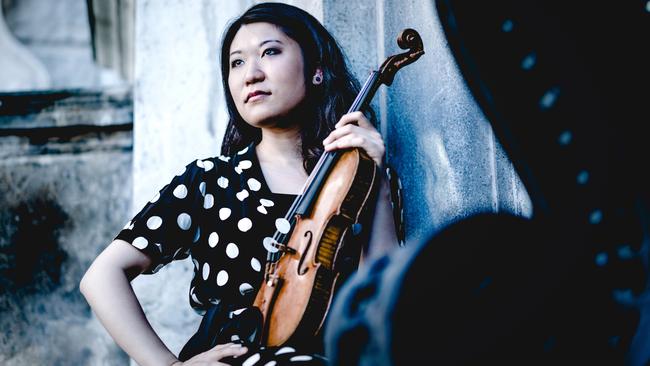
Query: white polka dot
244	224
184	221
222	182
222	278
270	363
202	188
262	209
195	299
285	350
155	198
242	151
197	235
266	203
207	165
238	311
256	265
301	358
242	195
213	240
232	250
245	288
208	202
244	164
238	170
180	191
254	184
224	213
127	226
224	158
206	271
154	222
140	242
268	245
282	225
199	163
252	360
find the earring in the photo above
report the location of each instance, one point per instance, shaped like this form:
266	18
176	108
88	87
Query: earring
318	78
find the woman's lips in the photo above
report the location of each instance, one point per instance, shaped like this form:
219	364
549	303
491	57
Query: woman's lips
256	95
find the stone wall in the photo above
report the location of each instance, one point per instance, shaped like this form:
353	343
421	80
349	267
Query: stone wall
65	178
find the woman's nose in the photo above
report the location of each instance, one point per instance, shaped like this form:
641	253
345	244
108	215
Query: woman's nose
254	73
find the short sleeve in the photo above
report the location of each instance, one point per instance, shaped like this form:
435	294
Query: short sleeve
166	226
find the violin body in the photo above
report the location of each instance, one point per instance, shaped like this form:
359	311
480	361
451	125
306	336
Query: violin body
295	301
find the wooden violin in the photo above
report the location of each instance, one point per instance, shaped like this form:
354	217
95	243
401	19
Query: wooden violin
309	256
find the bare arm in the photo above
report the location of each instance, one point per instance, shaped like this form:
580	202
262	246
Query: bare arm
106	286
383	236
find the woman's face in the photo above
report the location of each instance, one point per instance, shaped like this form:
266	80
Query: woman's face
266	78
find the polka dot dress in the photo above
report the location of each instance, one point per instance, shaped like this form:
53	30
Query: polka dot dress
218	211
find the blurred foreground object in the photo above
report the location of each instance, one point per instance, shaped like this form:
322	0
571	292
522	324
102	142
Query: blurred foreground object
563	86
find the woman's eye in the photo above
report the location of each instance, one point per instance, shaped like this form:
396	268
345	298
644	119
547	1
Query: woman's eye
235	63
270	51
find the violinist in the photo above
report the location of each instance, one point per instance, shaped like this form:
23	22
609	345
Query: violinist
287	89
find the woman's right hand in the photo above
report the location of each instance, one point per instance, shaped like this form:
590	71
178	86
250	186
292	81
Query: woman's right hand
214	355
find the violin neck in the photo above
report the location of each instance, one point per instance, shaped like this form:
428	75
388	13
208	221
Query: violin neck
367	92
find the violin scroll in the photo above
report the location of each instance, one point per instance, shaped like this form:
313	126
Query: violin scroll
408	39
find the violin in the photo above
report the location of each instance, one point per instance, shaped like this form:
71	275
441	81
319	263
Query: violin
309	255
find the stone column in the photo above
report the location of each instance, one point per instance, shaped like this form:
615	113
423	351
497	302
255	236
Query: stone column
19	69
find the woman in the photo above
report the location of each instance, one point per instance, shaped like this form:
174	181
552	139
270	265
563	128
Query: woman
286	86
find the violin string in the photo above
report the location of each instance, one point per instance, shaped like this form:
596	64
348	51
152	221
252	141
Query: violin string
272	258
278	237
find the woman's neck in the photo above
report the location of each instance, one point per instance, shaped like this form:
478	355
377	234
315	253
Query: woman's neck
281	145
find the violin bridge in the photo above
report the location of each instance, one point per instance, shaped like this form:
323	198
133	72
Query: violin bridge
285	248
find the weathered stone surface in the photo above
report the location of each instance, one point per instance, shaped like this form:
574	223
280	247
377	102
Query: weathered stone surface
64	194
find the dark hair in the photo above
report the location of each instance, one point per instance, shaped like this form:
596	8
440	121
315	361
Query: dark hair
324	104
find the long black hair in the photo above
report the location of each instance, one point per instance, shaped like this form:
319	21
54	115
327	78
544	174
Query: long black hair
324	104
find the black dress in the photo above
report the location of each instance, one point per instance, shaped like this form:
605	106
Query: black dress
220	212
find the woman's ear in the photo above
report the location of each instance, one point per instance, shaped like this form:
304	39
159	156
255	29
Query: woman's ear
318	77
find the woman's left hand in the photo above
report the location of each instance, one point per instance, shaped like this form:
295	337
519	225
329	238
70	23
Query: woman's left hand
362	135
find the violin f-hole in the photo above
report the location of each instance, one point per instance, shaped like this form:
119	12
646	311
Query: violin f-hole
301	271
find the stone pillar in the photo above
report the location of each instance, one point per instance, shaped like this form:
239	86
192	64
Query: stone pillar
19	69
179	117
58	34
437	138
